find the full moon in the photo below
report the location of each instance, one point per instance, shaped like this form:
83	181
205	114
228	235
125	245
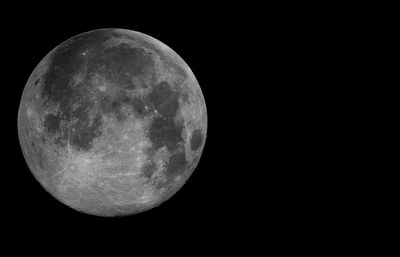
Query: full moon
112	122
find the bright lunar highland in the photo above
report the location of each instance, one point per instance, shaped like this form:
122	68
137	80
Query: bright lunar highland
112	122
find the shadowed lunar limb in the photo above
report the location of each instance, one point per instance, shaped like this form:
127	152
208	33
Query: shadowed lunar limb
112	122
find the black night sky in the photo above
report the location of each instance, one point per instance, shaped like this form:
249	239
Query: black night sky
256	71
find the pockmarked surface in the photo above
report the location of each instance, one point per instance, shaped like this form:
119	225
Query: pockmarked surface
112	122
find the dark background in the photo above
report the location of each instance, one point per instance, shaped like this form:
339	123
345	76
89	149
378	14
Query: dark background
288	165
272	86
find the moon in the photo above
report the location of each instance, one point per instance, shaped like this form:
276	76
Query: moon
112	122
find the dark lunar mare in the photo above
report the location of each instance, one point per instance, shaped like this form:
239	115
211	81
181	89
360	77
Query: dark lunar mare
196	139
164	130
67	61
167	60
86	55
71	124
119	63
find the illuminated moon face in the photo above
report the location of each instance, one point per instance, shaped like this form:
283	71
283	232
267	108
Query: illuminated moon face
112	122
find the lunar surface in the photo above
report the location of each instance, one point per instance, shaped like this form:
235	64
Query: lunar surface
112	122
